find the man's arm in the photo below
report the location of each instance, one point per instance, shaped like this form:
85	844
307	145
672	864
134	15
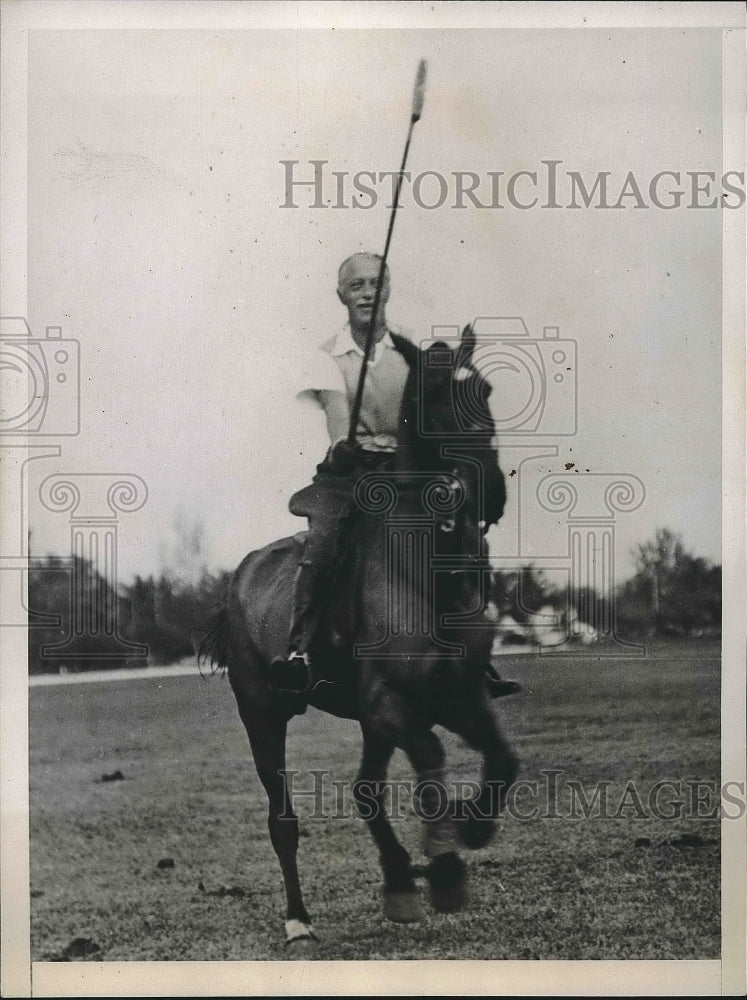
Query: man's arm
337	412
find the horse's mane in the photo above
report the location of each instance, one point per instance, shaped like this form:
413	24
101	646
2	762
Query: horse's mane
406	348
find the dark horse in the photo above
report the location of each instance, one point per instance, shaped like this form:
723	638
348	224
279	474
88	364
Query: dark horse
411	644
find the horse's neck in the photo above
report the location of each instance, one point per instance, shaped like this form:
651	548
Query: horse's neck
415	453
417	462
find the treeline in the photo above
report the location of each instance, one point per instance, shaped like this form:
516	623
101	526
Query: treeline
85	624
97	628
672	593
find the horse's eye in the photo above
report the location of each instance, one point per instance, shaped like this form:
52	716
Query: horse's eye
462	374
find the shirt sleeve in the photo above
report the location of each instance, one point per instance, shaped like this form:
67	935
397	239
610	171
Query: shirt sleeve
318	372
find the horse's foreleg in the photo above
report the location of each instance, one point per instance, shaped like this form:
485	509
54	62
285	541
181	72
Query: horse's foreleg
446	873
401	902
473	720
267	737
391	718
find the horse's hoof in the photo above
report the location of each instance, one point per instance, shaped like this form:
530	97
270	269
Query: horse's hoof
402	907
447	883
300	949
299	938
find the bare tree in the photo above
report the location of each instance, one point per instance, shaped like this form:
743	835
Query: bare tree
184	558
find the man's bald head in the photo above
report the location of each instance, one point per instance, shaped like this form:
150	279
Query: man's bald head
363	255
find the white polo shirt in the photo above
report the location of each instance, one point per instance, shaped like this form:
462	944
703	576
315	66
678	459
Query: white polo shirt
336	367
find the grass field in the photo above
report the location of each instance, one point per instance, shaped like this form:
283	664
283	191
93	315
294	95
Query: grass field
628	884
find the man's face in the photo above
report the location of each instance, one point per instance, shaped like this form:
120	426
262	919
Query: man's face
358	288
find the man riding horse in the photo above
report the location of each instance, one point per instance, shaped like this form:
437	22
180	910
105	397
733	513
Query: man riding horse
328	502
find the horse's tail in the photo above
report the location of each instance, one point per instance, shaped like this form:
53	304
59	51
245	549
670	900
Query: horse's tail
214	646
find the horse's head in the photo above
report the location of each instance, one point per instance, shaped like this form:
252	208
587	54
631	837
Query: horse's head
446	426
446	398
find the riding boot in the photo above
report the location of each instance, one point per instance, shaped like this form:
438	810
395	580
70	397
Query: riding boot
293	672
305	607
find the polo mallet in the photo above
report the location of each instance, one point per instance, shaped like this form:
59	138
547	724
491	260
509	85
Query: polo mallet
418	97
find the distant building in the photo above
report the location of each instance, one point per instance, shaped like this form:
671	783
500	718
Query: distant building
547	628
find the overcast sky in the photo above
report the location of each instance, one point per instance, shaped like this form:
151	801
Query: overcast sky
157	240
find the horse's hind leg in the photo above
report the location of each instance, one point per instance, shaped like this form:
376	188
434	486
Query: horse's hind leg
267	732
401	902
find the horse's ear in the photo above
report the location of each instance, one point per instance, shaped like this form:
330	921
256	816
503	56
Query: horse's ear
467	345
440	359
